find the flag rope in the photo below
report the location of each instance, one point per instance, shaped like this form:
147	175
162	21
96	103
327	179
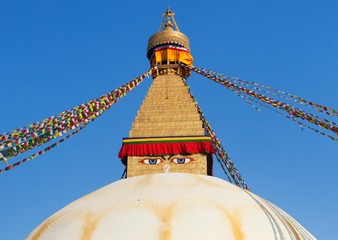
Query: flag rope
221	155
36	134
294	113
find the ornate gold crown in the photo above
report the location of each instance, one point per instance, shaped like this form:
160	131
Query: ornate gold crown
167	34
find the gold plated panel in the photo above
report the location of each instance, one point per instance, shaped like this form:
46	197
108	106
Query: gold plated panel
167	110
141	165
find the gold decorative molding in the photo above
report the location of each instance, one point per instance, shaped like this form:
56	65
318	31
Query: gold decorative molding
168	36
168	33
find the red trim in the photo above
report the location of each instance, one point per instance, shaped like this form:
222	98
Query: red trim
167	148
172	48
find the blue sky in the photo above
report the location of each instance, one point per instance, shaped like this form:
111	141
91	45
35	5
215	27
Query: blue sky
55	55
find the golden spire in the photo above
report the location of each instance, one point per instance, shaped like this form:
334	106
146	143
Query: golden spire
168	33
168	127
168	48
166	18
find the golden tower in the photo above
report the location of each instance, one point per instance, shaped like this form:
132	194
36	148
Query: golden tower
167	134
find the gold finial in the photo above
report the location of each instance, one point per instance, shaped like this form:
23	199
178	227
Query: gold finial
169	58
168	16
168	24
168	33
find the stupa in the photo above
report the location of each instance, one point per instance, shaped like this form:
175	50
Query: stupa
169	191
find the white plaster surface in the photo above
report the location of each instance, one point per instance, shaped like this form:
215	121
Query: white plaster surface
170	206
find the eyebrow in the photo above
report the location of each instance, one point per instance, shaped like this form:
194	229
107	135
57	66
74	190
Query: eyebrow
170	156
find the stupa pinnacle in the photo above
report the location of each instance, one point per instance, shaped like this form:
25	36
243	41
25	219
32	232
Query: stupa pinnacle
167	134
169	47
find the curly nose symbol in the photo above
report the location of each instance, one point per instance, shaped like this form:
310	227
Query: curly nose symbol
166	168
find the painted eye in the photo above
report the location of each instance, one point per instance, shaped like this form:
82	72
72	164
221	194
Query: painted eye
151	161
181	160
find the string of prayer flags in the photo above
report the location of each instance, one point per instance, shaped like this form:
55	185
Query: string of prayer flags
276	92
301	124
221	155
36	134
31	157
242	88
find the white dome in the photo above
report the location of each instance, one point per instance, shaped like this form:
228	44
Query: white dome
170	206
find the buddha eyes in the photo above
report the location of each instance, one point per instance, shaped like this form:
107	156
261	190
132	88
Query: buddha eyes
181	160
176	160
151	161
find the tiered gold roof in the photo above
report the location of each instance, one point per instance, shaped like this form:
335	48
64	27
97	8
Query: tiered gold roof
167	110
